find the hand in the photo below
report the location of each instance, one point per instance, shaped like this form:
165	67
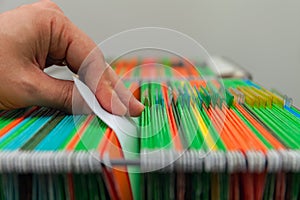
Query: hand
36	36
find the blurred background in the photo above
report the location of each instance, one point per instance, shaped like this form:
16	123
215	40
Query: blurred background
261	36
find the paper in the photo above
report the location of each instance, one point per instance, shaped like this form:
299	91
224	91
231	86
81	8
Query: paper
124	127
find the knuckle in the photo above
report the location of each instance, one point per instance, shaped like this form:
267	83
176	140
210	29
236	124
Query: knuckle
47	10
49	5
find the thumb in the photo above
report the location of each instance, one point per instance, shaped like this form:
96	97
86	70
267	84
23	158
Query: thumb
60	94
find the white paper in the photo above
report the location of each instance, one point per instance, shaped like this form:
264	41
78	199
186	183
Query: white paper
124	127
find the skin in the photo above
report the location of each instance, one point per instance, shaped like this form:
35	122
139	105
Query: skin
34	37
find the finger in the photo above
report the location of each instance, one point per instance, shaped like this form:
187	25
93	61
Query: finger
135	108
60	94
109	99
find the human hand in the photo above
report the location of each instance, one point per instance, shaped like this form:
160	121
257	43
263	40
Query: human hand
34	37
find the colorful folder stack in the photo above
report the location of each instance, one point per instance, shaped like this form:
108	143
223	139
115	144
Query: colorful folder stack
200	137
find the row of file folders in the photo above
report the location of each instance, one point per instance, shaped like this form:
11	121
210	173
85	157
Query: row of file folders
199	137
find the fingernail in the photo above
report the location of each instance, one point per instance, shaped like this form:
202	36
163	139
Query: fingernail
142	107
139	104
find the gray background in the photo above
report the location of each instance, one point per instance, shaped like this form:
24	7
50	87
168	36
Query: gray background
263	36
